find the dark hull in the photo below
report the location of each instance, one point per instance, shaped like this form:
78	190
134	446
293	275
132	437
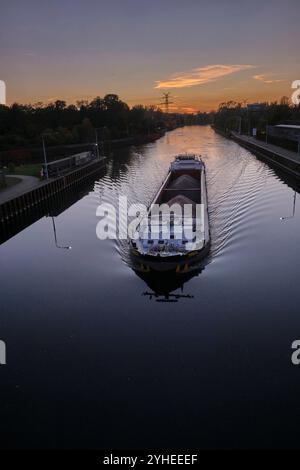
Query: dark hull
169	287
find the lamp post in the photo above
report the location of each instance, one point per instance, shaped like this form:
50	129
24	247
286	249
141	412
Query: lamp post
240	124
294	208
101	144
55	238
45	157
96	143
44	151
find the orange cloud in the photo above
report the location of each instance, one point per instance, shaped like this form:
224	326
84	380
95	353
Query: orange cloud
264	79
200	76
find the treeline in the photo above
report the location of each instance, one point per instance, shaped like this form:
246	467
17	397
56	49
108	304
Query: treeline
233	116
22	126
204	118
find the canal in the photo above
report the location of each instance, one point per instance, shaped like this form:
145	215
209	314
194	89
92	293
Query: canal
98	357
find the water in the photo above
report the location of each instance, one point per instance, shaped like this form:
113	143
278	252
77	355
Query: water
94	362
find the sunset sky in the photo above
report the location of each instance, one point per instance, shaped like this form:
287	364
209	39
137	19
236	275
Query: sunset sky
203	52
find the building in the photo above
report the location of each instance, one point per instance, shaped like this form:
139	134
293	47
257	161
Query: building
255	107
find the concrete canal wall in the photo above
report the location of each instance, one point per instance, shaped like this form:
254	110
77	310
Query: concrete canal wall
23	203
283	159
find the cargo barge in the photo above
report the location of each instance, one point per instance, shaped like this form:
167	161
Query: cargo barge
161	245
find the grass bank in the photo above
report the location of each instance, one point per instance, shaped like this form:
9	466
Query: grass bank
11	181
32	169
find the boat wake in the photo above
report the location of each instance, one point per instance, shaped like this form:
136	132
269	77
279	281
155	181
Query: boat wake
235	181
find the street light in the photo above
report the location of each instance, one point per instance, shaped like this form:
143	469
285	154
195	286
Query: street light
44	151
101	143
240	124
96	143
55	238
294	209
45	156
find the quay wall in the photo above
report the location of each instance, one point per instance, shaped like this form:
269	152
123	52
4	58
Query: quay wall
286	161
29	200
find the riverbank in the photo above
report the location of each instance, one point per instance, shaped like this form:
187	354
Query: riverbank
31	191
32	156
16	203
283	159
23	184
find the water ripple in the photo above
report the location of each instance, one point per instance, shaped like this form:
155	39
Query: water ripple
236	180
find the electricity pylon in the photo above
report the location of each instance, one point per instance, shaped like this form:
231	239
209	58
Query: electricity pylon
166	102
